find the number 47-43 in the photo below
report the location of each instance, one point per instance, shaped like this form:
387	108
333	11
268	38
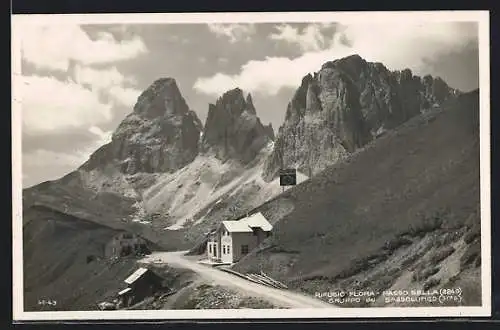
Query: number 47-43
47	302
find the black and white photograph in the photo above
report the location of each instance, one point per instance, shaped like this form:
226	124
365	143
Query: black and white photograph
251	165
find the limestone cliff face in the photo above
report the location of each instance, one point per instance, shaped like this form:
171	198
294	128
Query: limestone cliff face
345	105
160	135
233	130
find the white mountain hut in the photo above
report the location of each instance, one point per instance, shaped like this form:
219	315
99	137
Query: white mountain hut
234	239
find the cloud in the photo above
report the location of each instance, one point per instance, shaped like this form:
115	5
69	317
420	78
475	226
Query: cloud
124	95
54	46
109	82
49	104
80	103
48	158
311	38
222	60
100	78
398	47
103	137
234	32
45	164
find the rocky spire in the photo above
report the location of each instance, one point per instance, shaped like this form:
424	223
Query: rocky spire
160	135
161	98
270	131
232	129
250	107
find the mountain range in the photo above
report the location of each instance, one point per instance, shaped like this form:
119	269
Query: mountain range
167	179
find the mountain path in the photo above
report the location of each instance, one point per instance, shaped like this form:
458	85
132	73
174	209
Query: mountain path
281	298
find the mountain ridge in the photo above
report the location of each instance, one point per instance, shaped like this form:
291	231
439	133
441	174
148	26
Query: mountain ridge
162	137
343	106
169	178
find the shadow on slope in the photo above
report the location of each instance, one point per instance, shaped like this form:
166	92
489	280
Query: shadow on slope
348	212
69	260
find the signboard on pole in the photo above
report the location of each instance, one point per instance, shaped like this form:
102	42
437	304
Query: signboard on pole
288	177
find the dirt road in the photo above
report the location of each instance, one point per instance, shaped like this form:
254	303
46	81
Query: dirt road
281	298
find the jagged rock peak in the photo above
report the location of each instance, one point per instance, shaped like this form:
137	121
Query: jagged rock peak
161	98
160	135
233	103
351	61
345	105
270	131
250	107
232	129
232	94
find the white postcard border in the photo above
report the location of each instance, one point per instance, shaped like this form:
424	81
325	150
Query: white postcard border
481	17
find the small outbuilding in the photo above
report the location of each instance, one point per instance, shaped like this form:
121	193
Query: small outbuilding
140	284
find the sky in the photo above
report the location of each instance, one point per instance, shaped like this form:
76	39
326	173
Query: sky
78	82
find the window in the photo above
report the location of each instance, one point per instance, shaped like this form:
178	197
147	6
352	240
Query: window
210	248
244	249
224	249
228	250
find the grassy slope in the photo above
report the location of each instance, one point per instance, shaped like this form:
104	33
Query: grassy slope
344	213
429	164
69	195
56	247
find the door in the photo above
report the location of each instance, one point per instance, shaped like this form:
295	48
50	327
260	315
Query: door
227	254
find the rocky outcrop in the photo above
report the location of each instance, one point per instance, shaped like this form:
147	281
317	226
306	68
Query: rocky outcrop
233	130
345	105
160	135
270	131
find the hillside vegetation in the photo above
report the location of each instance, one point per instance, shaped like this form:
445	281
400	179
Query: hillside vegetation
420	179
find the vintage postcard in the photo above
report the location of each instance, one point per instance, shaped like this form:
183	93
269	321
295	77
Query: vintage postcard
251	165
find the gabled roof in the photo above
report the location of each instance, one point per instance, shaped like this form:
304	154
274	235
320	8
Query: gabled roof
258	220
124	291
245	225
136	275
237	226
